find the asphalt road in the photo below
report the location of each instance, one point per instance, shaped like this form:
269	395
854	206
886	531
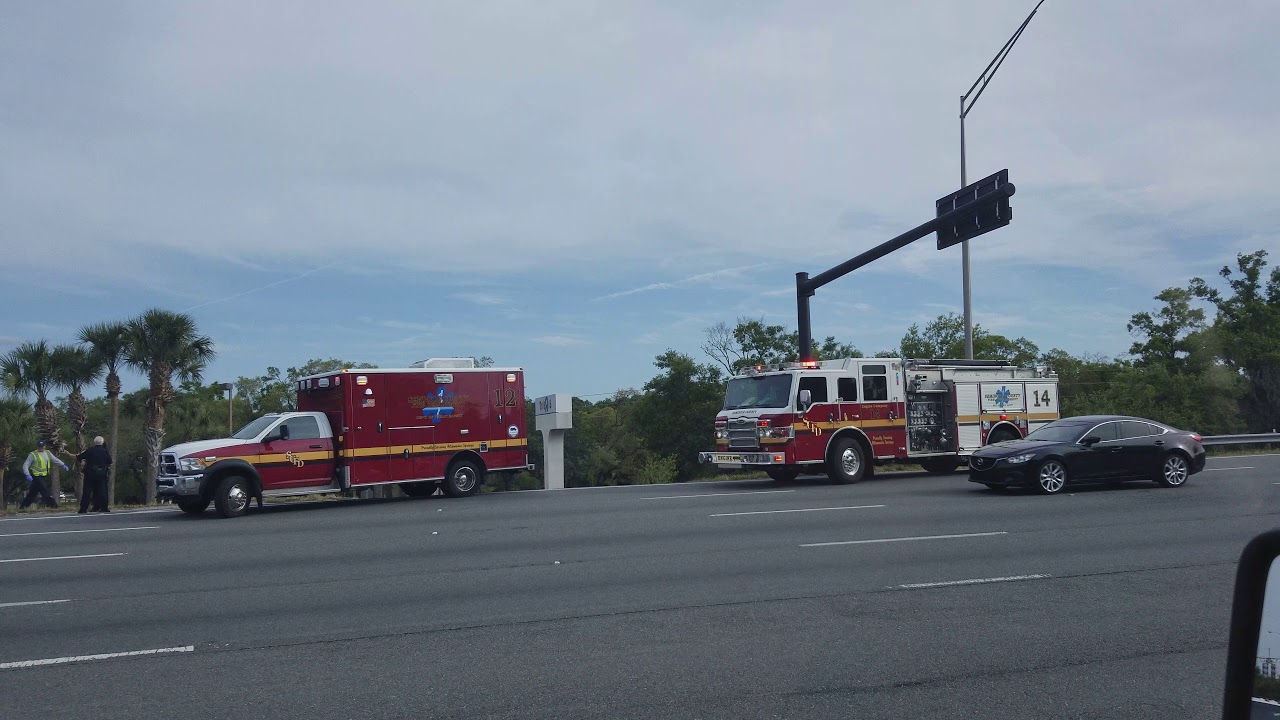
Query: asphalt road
710	600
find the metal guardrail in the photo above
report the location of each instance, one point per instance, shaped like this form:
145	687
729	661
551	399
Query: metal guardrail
1259	439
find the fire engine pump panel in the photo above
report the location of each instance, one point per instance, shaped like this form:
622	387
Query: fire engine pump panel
928	413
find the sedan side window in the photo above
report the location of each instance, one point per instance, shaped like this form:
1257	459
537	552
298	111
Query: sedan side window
1105	431
1130	429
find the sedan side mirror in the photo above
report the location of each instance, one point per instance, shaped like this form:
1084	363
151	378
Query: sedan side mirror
1091	441
806	400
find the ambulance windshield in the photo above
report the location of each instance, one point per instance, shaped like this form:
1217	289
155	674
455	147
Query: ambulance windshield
251	431
765	391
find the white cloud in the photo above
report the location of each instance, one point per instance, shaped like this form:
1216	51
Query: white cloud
692	280
629	136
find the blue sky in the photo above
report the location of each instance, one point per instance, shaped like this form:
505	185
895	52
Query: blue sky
575	187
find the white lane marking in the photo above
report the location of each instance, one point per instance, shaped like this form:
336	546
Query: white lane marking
68	532
905	539
63	557
773	512
1244	467
102	656
86	516
32	602
978	581
747	492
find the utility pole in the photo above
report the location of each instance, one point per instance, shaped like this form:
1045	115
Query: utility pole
966	104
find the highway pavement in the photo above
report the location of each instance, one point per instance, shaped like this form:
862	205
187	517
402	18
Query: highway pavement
905	596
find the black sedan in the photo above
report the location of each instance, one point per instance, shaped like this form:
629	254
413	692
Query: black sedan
1091	449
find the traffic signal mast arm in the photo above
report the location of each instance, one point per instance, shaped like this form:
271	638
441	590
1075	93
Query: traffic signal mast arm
952	219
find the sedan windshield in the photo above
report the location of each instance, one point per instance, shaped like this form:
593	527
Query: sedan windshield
1060	432
765	391
251	431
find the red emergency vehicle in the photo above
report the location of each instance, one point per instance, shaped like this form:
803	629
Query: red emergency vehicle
419	428
842	416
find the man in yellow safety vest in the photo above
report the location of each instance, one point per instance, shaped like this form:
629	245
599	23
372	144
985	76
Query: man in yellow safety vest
36	468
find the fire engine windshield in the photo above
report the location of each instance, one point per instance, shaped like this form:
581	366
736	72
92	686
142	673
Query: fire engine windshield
765	391
251	431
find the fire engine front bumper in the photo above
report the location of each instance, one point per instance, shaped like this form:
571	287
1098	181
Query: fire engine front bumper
741	459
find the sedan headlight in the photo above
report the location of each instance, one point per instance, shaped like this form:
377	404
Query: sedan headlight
190	465
1019	459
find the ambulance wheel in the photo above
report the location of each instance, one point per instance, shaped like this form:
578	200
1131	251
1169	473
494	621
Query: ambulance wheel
192	506
847	463
232	498
782	474
463	479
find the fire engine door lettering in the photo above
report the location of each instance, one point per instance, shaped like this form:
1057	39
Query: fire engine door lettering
1041	398
297	461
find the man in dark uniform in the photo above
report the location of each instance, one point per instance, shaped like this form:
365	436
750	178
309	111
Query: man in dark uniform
97	468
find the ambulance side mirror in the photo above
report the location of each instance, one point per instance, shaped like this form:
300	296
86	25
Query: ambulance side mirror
806	400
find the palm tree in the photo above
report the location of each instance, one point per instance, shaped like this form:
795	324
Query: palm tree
73	368
108	341
15	430
164	345
31	370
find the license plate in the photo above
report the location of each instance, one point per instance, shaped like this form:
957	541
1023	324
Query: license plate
721	458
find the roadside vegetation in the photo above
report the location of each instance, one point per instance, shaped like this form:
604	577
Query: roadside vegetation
1205	357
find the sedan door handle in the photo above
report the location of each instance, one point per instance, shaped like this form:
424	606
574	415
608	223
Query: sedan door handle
1160	442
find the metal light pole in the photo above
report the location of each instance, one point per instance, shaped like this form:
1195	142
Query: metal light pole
965	106
231	407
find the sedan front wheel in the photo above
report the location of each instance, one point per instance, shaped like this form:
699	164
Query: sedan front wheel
1051	478
1174	472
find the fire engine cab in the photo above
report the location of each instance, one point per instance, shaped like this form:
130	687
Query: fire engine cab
843	416
444	423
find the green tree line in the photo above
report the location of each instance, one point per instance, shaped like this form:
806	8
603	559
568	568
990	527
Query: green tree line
1205	358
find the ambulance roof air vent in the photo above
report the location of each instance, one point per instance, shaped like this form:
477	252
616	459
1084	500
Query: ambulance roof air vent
445	363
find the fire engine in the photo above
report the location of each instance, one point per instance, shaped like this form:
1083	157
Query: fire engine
843	416
443	423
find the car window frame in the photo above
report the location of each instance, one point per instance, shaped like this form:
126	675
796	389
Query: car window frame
1154	429
1117	438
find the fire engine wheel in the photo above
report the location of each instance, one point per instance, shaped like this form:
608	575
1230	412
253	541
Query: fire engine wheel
940	465
1001	435
232	498
782	474
463	479
847	462
418	489
193	506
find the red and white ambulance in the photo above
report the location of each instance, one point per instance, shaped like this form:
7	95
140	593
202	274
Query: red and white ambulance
444	424
842	416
